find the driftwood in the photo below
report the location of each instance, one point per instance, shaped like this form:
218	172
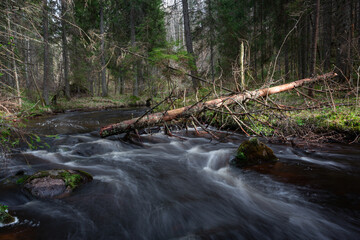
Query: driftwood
156	118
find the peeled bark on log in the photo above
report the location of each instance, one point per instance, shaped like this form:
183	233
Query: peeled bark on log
159	117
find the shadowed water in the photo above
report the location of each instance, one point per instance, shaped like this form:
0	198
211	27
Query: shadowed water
182	188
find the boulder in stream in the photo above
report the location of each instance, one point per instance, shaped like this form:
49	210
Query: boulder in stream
5	217
55	183
253	152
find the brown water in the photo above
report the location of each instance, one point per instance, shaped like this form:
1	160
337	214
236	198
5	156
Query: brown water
181	188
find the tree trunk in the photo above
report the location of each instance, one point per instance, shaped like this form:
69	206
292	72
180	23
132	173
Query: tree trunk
358	27
27	62
183	112
16	77
103	64
211	22
286	44
189	44
343	21
314	43
133	44
327	33
242	71
65	52
262	42
46	53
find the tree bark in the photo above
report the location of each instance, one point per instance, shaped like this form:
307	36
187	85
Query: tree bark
314	43
343	22
211	26
189	44
65	52
157	118
27	62
16	77
327	33
103	64
133	44
46	53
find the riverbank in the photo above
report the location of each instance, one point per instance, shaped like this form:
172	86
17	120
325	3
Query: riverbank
285	117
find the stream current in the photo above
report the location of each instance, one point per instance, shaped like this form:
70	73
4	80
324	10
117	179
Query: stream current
162	187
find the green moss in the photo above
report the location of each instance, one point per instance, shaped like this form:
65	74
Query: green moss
241	156
133	98
85	174
5	217
71	180
22	179
252	152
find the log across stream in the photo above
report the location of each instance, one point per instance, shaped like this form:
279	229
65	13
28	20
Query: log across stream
181	188
156	118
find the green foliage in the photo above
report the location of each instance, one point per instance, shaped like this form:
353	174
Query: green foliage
3	208
162	55
71	180
22	179
241	156
5	217
134	98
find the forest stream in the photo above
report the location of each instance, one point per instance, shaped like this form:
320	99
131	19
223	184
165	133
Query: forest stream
163	187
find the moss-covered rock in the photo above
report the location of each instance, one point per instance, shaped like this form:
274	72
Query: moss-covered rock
253	152
5	217
55	183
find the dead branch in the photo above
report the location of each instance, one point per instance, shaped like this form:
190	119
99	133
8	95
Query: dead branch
187	111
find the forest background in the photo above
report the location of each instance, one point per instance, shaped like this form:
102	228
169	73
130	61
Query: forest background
57	55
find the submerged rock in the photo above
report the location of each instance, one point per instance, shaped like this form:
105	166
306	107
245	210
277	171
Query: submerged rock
55	183
253	152
5	217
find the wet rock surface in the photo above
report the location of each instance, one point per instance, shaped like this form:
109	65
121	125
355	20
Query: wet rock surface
253	152
55	183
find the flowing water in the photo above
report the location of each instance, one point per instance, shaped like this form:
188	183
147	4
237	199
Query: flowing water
162	187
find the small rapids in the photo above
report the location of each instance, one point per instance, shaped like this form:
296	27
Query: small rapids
162	187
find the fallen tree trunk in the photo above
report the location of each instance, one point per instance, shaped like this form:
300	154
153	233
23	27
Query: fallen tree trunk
187	111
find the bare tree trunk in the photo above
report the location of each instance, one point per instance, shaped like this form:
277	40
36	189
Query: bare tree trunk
46	53
189	44
343	21
27	62
327	33
187	111
358	27
211	22
286	45
133	44
91	83
103	64
242	72
16	77
262	43
314	43
65	52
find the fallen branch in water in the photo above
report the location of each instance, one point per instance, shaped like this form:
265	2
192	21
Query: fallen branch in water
157	118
